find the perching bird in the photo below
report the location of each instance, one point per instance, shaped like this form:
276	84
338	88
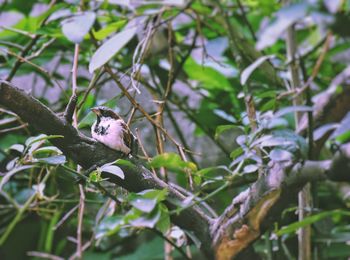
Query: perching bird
111	130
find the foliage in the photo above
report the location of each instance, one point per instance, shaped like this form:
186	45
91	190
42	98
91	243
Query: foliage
190	74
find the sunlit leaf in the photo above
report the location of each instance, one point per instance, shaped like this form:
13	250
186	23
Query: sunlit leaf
41	137
113	169
109	29
143	204
250	168
76	27
173	162
284	18
279	155
17	147
110	48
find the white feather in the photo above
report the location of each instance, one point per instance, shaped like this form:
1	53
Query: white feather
113	138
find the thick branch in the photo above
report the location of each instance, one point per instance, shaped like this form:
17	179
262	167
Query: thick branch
87	152
253	211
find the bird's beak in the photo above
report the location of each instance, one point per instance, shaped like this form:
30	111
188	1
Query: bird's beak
96	111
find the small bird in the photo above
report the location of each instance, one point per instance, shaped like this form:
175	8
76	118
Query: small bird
111	130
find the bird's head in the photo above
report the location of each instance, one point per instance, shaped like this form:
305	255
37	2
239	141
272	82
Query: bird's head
106	112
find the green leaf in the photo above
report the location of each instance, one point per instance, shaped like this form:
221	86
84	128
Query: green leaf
143	204
31	140
47	149
159	195
76	27
343	138
110	48
173	162
209	77
222	128
237	152
310	220
109	29
95	176
252	67
164	222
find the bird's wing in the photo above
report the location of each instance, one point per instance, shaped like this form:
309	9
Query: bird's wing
126	135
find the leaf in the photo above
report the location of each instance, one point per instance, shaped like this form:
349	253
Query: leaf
252	67
109	226
109	29
17	147
9	174
343	138
309	220
110	48
323	130
54	160
32	140
47	149
250	168
209	77
143	204
164	221
173	162
113	169
291	109
274	123
275	141
237	152
148	221
284	18
222	128
332	5
76	27
279	155
95	176
120	2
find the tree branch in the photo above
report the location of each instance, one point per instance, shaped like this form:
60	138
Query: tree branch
87	152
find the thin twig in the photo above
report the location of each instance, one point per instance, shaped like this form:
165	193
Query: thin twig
15	30
80	221
2	131
44	255
65	217
43	47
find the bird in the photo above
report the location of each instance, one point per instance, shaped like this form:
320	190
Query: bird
111	130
